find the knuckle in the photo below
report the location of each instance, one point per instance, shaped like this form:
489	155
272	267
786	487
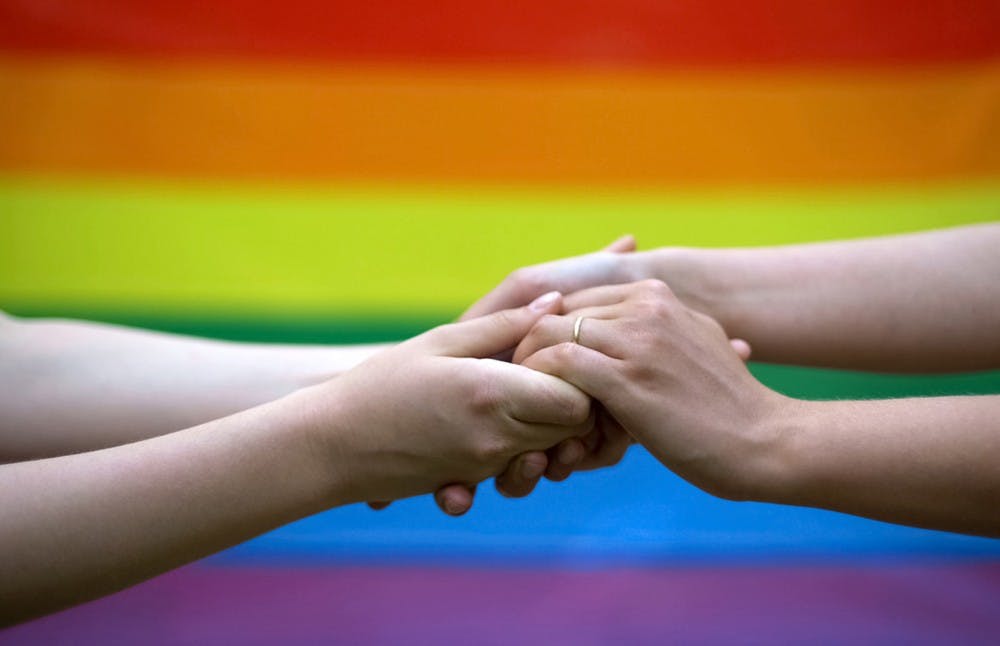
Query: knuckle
485	397
664	307
652	298
655	287
564	353
491	448
570	408
575	409
641	372
660	309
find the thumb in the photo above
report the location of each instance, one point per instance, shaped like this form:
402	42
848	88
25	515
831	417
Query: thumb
624	244
492	334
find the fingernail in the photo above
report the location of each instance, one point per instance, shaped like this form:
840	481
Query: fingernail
453	507
532	469
543	301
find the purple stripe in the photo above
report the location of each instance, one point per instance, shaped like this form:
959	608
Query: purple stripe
945	603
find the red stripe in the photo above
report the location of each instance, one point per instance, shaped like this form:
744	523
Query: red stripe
623	32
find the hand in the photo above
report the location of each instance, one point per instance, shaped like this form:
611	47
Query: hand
430	411
612	265
605	445
669	375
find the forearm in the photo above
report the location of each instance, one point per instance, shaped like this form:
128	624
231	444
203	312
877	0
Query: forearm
81	526
920	302
928	462
71	386
406	422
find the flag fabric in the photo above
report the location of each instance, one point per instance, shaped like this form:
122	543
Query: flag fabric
310	171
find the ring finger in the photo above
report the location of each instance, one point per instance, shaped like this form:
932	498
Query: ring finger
593	332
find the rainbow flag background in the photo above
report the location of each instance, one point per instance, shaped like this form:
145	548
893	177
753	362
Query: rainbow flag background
354	171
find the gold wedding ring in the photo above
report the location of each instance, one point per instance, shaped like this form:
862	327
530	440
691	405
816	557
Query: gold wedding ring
577	324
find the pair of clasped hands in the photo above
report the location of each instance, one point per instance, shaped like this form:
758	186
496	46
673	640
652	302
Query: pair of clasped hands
508	392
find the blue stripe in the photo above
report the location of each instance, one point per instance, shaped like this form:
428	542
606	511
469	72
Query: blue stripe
637	513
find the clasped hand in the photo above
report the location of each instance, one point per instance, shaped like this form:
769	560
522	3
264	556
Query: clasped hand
437	414
660	374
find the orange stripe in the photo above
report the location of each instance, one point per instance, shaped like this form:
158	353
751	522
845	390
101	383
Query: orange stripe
464	124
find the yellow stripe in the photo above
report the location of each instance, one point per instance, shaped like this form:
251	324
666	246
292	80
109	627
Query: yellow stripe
279	251
479	125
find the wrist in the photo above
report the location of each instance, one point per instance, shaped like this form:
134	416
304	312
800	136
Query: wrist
295	367
689	274
310	365
318	425
777	473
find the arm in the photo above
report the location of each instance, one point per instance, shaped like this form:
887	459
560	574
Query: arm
921	302
405	422
670	377
930	462
82	526
71	386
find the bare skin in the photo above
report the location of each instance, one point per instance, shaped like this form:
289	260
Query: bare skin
73	386
668	375
924	302
80	526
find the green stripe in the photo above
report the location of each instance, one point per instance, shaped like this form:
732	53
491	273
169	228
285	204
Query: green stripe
288	252
808	383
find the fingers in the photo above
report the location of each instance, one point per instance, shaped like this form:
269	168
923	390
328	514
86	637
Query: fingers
610	452
524	285
504	296
490	335
533	397
543	437
522	475
594	373
612	442
455	499
601	447
564	459
595	333
596	297
742	348
624	244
